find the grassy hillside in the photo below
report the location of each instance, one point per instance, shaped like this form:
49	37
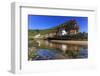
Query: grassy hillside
41	32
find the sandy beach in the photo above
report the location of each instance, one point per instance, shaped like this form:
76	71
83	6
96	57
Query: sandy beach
71	42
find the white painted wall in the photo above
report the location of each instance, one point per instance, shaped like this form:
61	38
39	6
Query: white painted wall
64	32
5	42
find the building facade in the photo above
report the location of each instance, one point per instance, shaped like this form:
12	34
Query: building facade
68	28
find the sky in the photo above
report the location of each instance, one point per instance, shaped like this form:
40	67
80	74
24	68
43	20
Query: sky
41	22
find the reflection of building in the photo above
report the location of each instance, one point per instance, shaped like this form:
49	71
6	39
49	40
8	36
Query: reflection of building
63	47
68	28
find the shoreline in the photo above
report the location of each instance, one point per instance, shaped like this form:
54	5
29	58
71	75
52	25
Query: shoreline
71	42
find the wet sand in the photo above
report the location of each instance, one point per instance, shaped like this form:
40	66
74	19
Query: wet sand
71	42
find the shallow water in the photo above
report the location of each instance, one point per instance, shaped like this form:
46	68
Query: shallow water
46	50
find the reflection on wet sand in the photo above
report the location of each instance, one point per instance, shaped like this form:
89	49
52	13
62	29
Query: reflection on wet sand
46	50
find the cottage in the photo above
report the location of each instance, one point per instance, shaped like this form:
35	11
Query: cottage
68	28
71	27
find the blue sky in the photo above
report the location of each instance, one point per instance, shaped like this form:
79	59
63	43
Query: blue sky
45	22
